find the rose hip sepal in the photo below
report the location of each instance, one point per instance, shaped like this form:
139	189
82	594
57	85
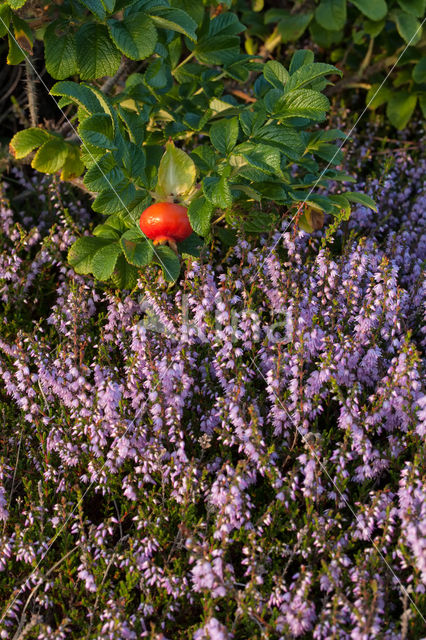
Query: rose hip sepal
165	222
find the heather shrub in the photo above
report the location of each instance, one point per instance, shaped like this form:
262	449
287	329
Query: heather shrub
239	457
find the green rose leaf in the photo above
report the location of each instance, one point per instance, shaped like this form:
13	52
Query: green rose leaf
217	191
415	7
137	249
168	261
125	275
81	253
97	56
109	5
51	156
300	57
408	27
176	173
175	20
275	74
309	73
60	53
374	10
98	131
200	213
191	246
361	198
78	93
103	174
96	7
224	134
27	140
135	36
377	95
217	49
400	108
303	103
115	199
331	14
5	15
104	261
292	27
419	71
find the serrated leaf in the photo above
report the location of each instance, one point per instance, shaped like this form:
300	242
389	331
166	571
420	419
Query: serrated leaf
97	56
225	23
287	139
302	103
27	140
175	20
104	261
96	7
81	253
125	275
300	57
60	52
408	27
293	26
168	261
176	173
249	193
137	249
217	191
400	108
158	76
98	131
106	231
375	11
79	93
51	156
205	158
135	36
200	212
224	134
331	14
103	174
263	157
361	198
217	49
275	74
115	199
309	73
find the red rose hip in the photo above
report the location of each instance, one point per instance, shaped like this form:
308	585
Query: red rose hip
165	222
